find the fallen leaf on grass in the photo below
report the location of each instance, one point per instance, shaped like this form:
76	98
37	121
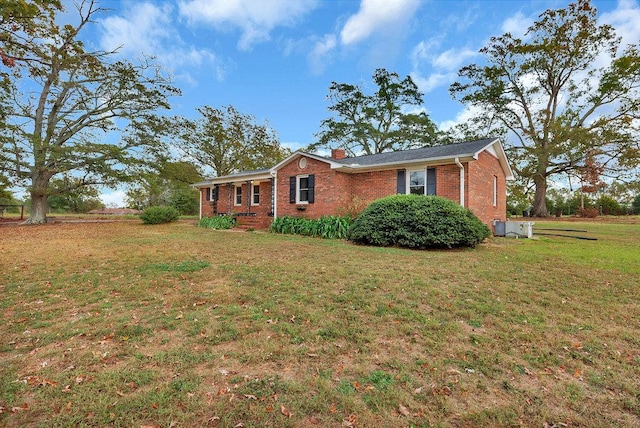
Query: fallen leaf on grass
351	421
16	409
403	410
250	397
285	412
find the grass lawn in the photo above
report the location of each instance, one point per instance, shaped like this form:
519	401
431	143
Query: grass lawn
120	324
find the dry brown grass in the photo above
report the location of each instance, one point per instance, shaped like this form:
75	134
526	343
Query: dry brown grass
120	324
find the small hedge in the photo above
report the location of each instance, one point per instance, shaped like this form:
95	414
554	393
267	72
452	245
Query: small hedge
414	221
160	214
329	227
218	222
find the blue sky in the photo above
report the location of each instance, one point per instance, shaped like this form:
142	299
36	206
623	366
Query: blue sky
275	59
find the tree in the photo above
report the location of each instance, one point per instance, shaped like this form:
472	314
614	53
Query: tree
61	116
550	92
636	205
168	184
227	141
68	194
368	124
18	18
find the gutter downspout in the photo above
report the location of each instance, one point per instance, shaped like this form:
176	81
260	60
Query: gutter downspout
274	193
457	160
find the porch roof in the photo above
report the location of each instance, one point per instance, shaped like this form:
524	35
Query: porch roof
238	177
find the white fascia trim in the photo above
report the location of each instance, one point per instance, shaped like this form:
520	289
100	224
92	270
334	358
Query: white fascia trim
502	158
353	168
298	154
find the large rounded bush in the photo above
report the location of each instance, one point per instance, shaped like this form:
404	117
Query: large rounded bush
158	215
414	221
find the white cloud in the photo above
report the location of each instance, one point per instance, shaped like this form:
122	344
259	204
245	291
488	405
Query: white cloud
116	199
377	15
255	18
453	59
434	80
444	65
147	28
517	24
318	56
625	18
464	116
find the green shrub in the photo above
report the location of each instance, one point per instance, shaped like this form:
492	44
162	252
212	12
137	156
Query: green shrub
218	222
329	227
608	206
635	205
161	214
414	221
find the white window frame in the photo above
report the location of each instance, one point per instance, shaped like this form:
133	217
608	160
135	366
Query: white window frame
237	192
254	194
425	172
299	189
408	180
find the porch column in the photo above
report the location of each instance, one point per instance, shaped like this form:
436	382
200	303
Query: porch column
249	195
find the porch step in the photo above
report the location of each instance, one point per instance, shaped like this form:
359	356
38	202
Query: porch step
253	222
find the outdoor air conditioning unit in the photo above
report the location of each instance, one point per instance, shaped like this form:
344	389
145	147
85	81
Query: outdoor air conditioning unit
518	229
513	229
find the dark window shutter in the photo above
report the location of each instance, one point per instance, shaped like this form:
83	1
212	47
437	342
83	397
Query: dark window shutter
431	181
207	196
312	191
401	188
292	190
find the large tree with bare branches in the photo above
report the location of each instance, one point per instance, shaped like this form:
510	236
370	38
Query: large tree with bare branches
68	110
567	90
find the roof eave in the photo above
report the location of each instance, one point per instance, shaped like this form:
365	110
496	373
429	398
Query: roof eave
235	178
298	154
355	168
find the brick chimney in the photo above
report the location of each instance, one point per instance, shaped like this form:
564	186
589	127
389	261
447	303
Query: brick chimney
338	154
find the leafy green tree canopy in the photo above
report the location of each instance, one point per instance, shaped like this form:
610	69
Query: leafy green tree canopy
550	90
378	122
62	110
68	194
227	141
169	183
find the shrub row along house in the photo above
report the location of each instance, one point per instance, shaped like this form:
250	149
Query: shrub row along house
473	174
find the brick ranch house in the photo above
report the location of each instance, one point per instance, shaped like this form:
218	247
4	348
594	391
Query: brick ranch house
472	173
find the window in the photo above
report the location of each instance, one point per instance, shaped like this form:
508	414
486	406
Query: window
495	191
255	194
207	196
421	182
417	180
302	189
238	195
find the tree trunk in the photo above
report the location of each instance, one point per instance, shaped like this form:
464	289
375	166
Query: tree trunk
540	199
39	208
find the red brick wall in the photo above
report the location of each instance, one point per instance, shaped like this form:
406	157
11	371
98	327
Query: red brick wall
448	182
366	187
331	189
481	174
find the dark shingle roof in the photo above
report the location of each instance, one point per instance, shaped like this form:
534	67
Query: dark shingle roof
436	152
